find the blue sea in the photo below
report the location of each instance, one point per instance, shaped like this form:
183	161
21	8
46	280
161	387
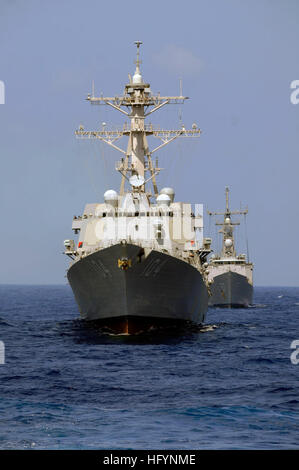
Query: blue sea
228	385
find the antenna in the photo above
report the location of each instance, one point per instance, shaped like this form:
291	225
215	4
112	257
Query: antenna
140	103
92	89
180	117
180	109
181	87
227	198
246	236
138	61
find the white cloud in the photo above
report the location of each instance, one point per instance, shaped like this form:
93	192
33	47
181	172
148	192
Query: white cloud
178	60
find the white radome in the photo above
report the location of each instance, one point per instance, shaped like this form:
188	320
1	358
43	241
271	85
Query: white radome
111	197
169	191
163	200
228	242
137	78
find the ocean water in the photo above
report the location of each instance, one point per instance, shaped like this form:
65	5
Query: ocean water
229	385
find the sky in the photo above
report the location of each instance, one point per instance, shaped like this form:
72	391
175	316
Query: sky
236	59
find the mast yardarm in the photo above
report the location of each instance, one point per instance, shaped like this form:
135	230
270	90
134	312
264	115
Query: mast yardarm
227	227
137	102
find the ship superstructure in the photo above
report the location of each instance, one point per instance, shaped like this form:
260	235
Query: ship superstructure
140	257
230	275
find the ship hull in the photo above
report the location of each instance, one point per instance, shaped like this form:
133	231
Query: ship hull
231	290
152	291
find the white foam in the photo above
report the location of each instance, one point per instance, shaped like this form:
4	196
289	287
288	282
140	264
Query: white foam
206	328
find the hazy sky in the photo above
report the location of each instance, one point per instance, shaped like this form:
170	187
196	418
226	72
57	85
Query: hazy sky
237	60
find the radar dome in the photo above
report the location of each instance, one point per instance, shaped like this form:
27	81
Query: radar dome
163	200
111	197
227	220
137	78
169	192
228	242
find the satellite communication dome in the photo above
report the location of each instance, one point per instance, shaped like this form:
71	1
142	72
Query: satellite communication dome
111	197
163	200
227	220
137	78
169	191
228	242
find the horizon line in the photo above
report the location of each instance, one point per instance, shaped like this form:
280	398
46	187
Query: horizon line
67	284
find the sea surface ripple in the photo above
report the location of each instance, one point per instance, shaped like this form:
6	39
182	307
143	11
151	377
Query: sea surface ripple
228	385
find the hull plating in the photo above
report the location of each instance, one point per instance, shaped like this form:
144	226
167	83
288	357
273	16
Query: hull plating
231	290
160	287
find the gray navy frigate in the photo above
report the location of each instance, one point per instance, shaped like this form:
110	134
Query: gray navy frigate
139	260
230	275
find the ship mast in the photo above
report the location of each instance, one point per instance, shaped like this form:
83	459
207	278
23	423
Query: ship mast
137	102
227	228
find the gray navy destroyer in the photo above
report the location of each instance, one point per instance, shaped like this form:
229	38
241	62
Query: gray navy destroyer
230	275
140	258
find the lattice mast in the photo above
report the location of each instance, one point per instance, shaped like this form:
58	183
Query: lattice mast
137	103
227	227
